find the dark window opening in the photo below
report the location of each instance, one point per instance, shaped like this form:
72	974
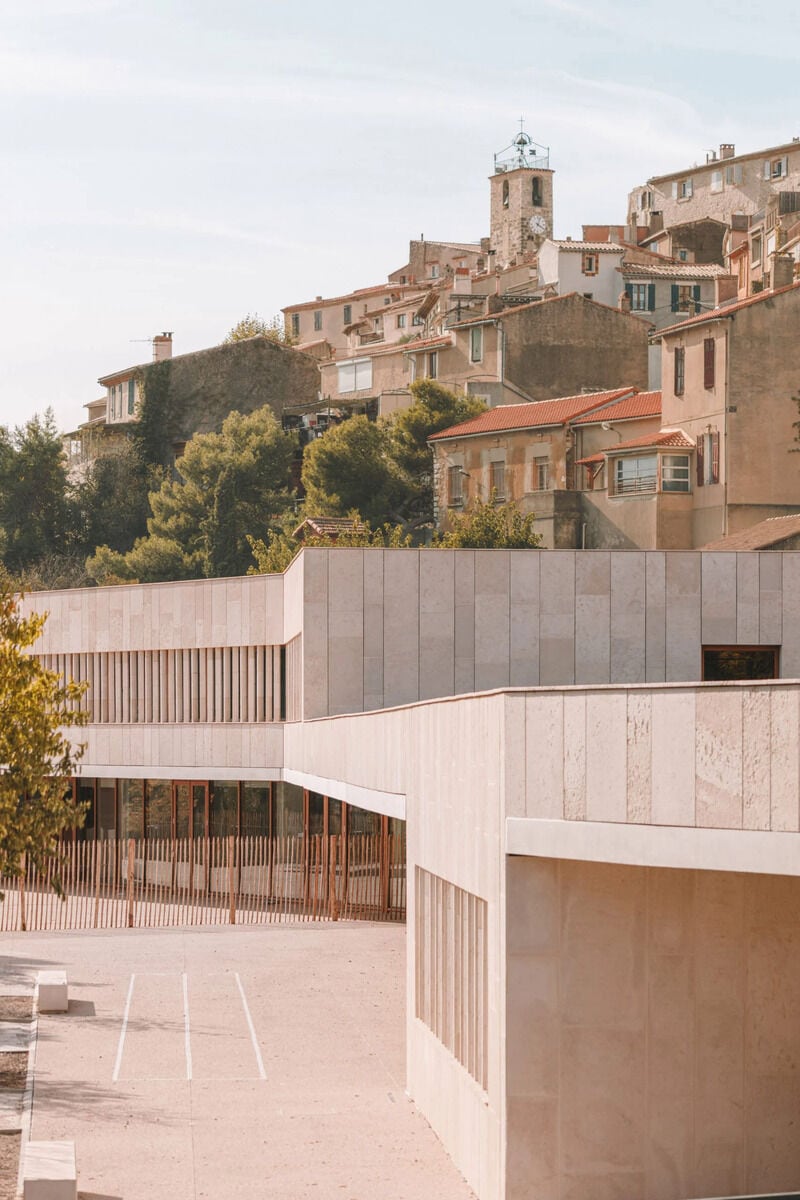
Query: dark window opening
536	192
722	663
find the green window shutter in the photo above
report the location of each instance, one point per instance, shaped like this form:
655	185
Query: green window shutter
696	293
675	295
629	291
651	297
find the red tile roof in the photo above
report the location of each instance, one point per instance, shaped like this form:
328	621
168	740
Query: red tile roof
357	293
530	416
668	270
670	439
642	404
727	310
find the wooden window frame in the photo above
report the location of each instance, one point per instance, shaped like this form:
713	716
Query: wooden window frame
679	370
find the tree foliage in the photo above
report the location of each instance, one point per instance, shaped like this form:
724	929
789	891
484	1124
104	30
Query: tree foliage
36	757
36	515
252	325
232	485
491	526
351	469
274	555
434	408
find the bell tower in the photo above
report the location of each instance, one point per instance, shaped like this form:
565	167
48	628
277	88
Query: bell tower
521	200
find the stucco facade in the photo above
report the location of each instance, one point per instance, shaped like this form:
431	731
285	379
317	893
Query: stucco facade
603	946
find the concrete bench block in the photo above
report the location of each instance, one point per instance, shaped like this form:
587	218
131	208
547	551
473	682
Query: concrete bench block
48	1171
53	991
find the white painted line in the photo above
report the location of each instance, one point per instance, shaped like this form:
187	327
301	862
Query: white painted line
186	1039
251	1027
123	1031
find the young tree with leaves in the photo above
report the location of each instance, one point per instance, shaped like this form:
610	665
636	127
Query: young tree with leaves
37	758
487	525
351	468
231	484
252	325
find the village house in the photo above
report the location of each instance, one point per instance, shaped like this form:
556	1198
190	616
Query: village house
590	268
726	184
722	460
527	453
326	320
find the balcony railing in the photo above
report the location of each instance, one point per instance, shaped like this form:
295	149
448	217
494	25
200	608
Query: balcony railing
638	486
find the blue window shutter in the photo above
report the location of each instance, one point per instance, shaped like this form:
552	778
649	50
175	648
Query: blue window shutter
675	294
651	297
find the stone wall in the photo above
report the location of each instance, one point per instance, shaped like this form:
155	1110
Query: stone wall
564	346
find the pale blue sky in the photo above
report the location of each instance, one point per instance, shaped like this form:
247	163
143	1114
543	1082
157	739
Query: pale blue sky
174	164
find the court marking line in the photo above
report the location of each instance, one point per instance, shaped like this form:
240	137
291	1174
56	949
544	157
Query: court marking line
251	1027
123	1031
186	1032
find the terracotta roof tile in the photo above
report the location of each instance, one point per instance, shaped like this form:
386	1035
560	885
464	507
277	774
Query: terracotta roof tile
765	533
674	439
529	416
642	404
591	247
427	343
672	270
726	310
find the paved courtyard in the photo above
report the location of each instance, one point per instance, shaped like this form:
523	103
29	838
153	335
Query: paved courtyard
236	1062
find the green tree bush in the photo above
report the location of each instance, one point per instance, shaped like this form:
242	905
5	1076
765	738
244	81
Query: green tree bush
37	758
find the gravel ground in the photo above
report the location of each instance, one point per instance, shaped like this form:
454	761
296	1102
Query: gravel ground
16	1008
9	1165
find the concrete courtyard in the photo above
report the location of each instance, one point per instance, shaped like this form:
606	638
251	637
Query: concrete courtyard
230	1062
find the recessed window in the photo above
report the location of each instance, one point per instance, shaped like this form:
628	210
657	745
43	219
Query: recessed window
434	270
497	480
536	192
679	370
433	364
707	458
716	181
722	663
455	487
131	397
317	320
476	343
639	294
683	189
348	314
683	256
675	472
685	297
776	168
590	264
733	174
355	375
505	193
401	320
295	324
709	362
541	475
635	476
755	251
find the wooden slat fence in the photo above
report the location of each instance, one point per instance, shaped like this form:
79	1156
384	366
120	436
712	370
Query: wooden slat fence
210	881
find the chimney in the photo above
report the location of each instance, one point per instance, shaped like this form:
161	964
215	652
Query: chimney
726	288
162	347
727	150
624	302
782	271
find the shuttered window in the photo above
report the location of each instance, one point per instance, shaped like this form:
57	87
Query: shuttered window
700	460
680	370
708	363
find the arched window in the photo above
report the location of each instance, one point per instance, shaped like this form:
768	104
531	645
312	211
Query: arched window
505	193
536	192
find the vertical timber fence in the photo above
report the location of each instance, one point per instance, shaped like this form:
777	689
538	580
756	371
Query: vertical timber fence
209	881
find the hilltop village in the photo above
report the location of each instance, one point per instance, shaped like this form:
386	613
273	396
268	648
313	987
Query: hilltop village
566	770
638	383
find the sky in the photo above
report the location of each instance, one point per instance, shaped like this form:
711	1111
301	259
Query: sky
176	164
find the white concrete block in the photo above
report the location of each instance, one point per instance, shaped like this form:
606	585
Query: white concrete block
49	1172
53	996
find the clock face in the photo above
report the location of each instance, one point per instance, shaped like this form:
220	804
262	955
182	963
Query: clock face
538	224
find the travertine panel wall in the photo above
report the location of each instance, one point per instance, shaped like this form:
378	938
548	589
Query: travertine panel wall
652	1019
392	627
162	616
719	756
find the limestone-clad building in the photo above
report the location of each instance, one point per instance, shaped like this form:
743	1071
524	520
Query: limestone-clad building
595	759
